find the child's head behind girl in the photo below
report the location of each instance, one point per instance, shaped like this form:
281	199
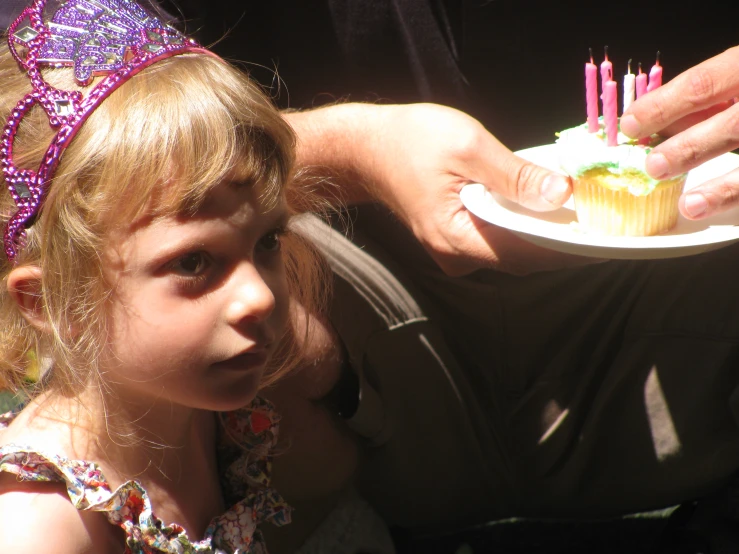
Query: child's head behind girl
156	278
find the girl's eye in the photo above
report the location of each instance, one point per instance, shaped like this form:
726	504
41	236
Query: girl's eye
193	264
271	242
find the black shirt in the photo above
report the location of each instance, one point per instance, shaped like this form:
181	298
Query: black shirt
517	65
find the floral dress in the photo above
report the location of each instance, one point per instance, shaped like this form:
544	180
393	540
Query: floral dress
246	440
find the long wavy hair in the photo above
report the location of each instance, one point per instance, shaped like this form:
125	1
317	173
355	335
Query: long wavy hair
163	139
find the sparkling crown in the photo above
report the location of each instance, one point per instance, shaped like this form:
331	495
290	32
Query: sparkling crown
111	38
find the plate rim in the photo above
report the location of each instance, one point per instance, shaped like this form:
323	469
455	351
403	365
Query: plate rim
711	237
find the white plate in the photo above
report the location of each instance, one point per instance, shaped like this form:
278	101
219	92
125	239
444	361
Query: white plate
555	230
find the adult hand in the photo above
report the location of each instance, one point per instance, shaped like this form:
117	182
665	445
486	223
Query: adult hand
415	159
697	110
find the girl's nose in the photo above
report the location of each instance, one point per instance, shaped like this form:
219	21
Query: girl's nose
251	299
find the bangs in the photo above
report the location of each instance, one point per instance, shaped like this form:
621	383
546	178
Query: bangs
156	146
162	141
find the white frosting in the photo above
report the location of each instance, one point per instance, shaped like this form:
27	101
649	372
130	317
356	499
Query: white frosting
580	151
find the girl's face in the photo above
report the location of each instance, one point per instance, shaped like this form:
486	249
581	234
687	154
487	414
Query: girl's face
199	302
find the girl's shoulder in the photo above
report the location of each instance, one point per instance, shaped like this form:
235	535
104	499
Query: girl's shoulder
44	497
247	439
38	517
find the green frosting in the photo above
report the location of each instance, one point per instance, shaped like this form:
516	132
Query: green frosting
582	152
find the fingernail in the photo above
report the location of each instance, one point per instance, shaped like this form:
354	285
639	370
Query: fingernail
554	189
657	165
695	204
630	126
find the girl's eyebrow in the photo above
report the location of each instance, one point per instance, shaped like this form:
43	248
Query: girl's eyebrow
164	251
281	216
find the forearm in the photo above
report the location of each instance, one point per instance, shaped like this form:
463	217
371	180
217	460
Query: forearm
415	159
338	144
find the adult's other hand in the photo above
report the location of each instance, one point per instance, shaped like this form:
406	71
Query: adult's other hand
697	110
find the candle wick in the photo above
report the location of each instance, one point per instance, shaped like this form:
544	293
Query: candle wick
628	66
640	71
591	54
657	62
605	49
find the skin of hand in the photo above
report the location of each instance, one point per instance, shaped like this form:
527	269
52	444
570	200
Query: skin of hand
698	112
415	158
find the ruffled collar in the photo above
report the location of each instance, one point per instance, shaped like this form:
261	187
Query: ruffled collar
246	441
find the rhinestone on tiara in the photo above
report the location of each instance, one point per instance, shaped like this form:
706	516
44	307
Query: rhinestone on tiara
113	39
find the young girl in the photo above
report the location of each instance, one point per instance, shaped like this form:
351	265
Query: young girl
149	269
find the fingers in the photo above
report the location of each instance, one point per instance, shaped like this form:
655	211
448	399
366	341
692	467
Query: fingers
696	145
711	197
693	119
713	81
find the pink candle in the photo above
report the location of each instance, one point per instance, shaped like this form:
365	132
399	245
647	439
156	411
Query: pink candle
641	83
606	75
606	68
591	94
655	76
610	111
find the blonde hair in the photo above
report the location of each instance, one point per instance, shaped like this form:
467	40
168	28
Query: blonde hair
164	138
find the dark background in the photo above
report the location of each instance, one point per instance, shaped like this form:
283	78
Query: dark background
517	65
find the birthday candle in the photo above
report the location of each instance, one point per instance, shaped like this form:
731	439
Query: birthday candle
591	94
629	87
610	111
606	75
606	68
655	75
641	83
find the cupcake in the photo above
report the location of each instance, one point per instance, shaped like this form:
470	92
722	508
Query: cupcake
613	193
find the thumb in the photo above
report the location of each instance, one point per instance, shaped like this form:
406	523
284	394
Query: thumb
532	186
519	180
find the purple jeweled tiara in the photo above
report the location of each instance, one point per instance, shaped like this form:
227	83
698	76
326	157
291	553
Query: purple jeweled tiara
111	38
